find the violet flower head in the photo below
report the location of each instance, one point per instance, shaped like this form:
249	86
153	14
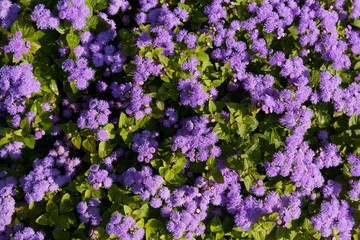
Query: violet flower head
44	18
17	45
124	227
145	144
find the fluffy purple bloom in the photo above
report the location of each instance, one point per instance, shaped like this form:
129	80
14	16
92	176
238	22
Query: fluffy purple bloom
99	177
76	12
124	227
334	214
29	234
194	138
44	18
89	211
145	144
102	135
7	202
12	150
16	83
116	5
9	12
192	92
46	175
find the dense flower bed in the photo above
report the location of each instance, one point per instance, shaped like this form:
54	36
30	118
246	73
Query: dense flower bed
164	119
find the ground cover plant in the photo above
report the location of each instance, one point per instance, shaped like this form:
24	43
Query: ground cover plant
164	119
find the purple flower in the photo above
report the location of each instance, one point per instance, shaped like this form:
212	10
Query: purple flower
124	227
145	144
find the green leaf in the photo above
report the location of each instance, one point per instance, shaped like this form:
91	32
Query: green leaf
98	193
6	132
301	236
89	144
97	24
52	208
152	226
99	4
216	176
142	212
61	235
163	60
23	25
105	148
354	120
212	106
123	121
159	51
25	2
307	225
76	141
72	40
24	124
221	131
203	57
34	46
127	210
215	224
29	140
248	182
66	203
53	86
62	221
356	23
114	193
211	162
43	219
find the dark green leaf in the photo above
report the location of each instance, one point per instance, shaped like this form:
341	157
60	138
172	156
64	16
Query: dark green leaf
215	224
29	140
72	40
142	212
105	148
216	176
66	203
43	219
76	141
89	144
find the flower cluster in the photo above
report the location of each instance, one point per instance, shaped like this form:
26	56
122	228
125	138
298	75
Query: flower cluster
75	11
29	234
132	98
7	202
12	150
192	92
9	11
97	115
171	119
142	182
44	18
98	177
334	214
89	211
115	6
17	45
47	175
144	68
145	144
195	139
16	84
108	161
303	166
79	72
99	48
191	66
124	227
